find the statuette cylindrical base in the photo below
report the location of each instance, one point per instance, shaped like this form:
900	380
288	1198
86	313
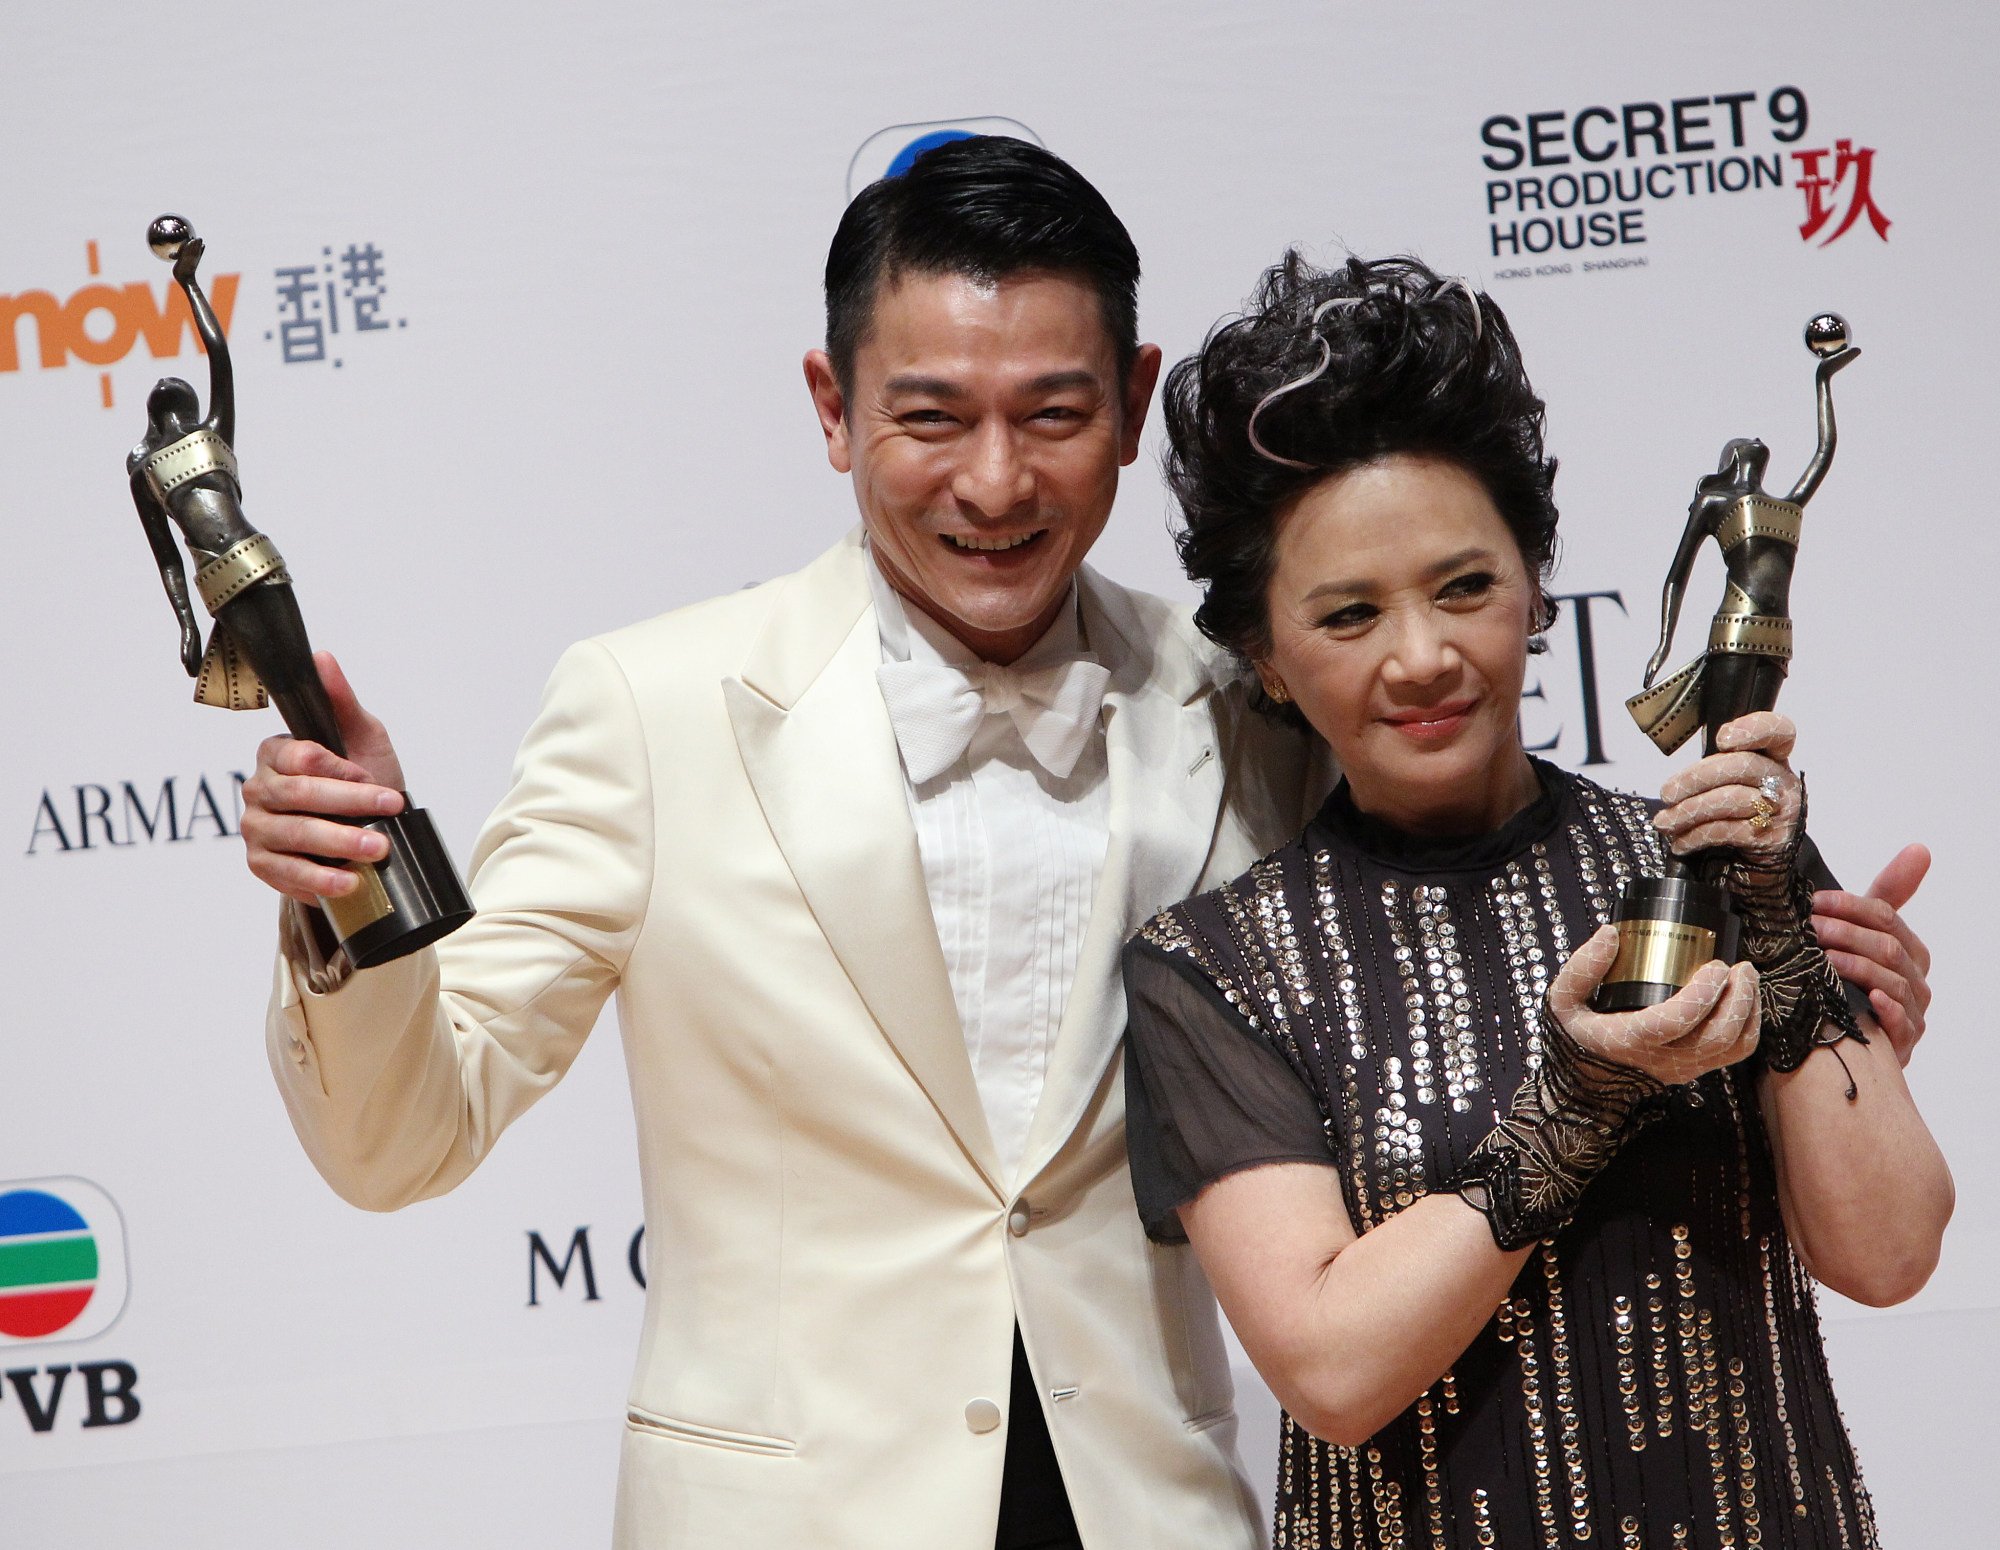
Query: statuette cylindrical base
1668	927
407	900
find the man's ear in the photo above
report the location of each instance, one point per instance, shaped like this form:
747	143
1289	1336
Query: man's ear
830	404
1139	384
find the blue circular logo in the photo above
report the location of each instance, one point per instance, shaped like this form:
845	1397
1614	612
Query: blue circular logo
922	143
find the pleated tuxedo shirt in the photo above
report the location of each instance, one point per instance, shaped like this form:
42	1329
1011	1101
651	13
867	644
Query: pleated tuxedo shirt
1011	856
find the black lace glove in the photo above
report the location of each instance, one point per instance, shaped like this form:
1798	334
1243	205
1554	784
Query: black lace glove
1804	1004
1603	1076
1568	1120
1745	803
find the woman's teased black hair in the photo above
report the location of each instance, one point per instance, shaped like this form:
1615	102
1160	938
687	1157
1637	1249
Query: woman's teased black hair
1411	368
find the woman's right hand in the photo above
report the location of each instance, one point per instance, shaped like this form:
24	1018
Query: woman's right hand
299	789
1710	1023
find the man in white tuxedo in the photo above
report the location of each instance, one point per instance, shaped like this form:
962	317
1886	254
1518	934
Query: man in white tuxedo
856	850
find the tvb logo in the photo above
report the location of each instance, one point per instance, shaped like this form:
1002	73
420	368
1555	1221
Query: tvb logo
62	1280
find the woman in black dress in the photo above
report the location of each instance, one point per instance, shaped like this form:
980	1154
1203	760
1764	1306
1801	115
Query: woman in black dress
1522	1274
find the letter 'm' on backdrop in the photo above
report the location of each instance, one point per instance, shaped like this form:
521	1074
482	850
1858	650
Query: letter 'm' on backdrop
517	301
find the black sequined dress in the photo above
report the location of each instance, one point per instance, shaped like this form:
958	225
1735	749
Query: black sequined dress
1368	1001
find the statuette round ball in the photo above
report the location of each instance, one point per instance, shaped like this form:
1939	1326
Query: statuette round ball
167	235
1827	334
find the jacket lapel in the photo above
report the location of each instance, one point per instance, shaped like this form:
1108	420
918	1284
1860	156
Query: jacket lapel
1165	772
820	753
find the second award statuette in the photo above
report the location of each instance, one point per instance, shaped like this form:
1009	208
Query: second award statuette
184	473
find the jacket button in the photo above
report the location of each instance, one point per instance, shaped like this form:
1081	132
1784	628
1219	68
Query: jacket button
1017	1220
982	1415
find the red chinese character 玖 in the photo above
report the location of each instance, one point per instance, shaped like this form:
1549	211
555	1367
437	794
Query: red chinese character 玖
1819	190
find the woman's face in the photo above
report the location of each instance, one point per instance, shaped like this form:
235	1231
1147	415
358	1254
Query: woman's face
1400	612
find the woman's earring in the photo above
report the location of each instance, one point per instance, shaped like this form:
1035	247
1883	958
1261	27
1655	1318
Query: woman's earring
1543	621
1274	687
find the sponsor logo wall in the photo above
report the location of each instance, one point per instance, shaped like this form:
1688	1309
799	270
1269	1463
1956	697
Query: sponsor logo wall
516	334
1588	178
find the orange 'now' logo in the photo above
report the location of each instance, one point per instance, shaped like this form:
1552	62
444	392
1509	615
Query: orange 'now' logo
100	324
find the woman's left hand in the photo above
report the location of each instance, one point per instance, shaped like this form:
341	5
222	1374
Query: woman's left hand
1743	797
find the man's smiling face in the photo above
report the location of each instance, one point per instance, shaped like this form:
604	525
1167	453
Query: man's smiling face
985	428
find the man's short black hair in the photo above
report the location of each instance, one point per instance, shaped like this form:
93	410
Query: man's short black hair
986	207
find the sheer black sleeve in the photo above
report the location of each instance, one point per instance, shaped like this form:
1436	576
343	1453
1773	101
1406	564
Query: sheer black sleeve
1813	868
1204	1095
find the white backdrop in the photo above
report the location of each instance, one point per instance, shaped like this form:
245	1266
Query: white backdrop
593	238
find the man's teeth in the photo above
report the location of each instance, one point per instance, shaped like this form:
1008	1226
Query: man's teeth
989	545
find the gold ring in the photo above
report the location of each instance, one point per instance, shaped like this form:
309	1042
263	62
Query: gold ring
1761	814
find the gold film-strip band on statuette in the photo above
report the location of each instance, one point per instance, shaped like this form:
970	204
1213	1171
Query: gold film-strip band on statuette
1752	635
238	568
1670	712
1759	516
198	453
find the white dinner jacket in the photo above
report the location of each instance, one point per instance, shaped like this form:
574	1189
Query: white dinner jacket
708	818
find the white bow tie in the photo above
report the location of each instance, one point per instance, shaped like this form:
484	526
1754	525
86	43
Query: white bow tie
936	707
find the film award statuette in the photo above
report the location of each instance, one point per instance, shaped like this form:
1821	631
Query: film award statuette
184	472
1669	926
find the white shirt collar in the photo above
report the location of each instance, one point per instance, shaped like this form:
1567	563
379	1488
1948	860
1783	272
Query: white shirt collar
909	634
